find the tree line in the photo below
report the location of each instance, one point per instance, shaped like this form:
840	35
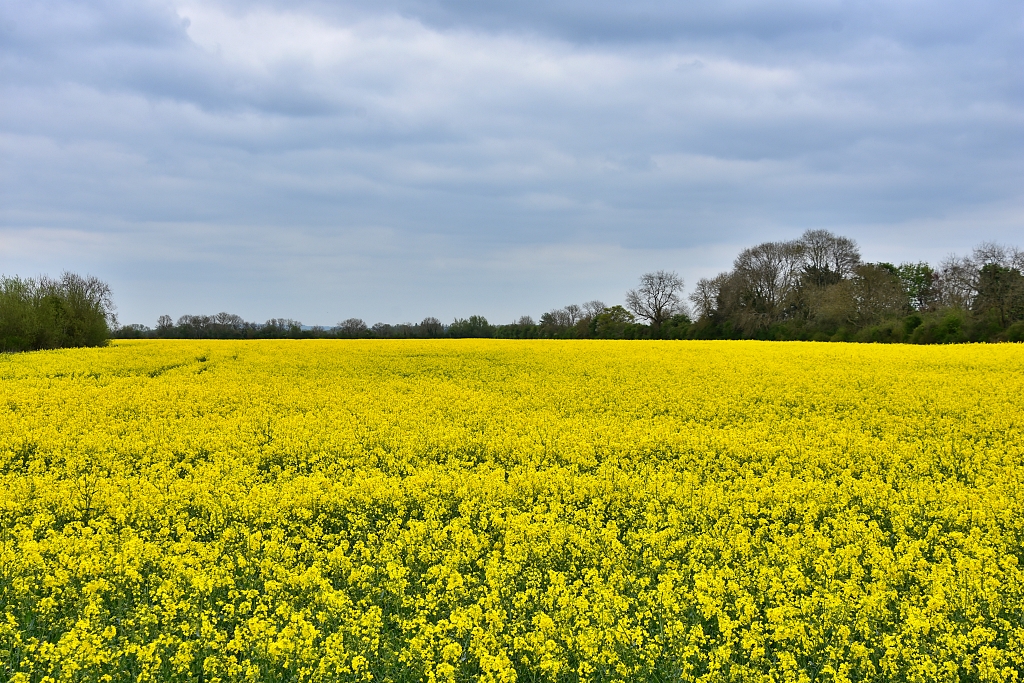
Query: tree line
592	320
815	288
818	288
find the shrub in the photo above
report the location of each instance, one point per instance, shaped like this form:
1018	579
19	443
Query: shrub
54	313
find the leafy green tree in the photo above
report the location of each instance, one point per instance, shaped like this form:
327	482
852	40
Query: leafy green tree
1001	293
474	326
919	281
611	323
18	317
49	313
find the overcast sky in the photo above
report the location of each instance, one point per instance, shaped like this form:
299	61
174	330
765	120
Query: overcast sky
395	159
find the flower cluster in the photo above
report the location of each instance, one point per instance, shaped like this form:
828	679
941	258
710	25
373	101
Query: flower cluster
481	510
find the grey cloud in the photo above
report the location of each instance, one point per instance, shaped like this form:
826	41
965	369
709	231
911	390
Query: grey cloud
252	148
799	22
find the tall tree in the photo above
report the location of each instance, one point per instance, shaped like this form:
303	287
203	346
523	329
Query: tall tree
920	283
1001	292
878	294
767	277
827	258
658	297
49	313
431	327
351	327
706	296
958	282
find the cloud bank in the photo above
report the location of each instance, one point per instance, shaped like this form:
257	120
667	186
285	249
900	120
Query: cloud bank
402	159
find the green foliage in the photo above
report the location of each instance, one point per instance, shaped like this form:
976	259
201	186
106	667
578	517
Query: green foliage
918	281
947	328
474	326
18	319
613	323
47	313
676	327
815	288
518	331
1001	293
889	332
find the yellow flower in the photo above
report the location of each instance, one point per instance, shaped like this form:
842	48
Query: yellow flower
480	510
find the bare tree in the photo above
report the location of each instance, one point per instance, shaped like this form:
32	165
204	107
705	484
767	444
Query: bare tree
959	277
999	285
195	326
1017	260
525	321
657	298
878	294
229	320
431	327
281	327
993	253
382	330
958	281
593	308
768	276
705	297
827	258
556	320
352	327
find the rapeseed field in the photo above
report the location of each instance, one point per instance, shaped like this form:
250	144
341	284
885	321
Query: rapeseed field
464	510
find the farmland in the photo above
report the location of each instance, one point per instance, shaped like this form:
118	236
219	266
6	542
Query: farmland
456	510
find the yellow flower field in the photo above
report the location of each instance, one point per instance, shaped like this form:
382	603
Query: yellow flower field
467	510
